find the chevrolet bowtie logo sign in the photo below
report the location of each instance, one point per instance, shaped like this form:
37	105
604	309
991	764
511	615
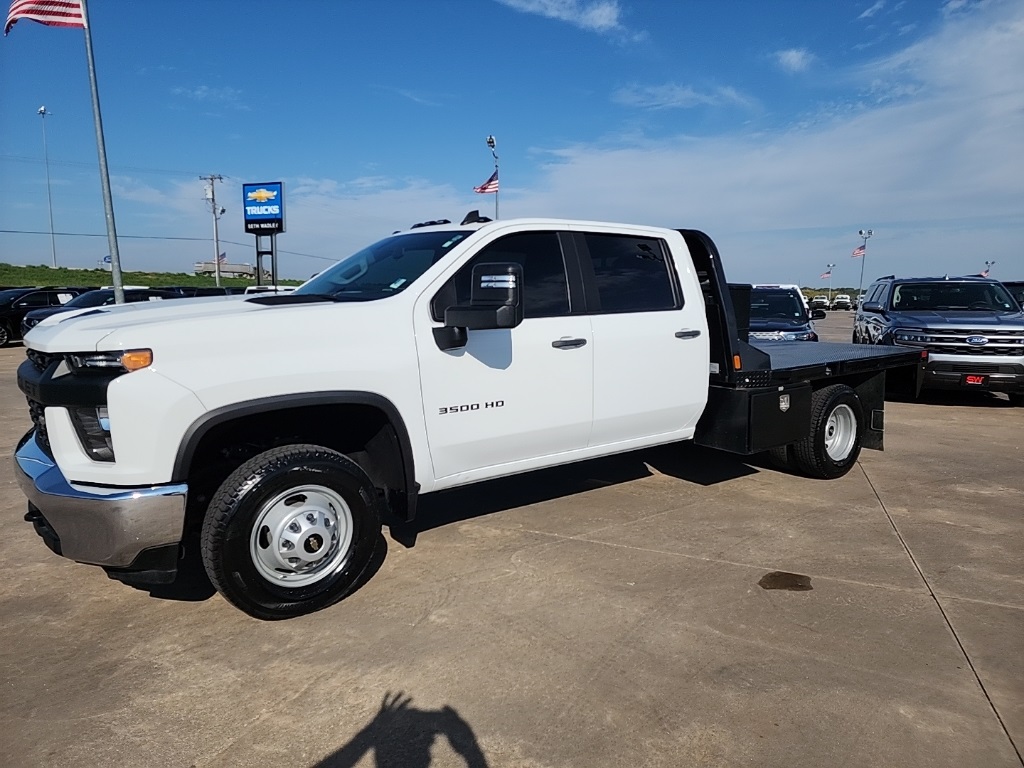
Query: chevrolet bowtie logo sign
261	195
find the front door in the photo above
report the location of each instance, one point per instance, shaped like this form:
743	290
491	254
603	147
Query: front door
510	397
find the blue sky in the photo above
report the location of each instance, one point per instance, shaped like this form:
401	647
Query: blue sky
780	129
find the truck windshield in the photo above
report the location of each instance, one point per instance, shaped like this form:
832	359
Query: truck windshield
385	268
777	304
948	296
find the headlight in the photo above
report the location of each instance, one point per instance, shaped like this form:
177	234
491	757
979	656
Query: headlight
910	337
130	360
800	336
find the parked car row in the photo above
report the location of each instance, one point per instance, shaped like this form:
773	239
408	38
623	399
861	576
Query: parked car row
23	308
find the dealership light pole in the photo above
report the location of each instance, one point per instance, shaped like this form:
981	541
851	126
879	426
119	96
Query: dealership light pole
865	234
42	112
828	269
988	267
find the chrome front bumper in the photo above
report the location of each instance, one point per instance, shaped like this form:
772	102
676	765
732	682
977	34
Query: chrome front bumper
98	525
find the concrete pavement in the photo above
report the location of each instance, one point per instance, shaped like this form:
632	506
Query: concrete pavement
605	614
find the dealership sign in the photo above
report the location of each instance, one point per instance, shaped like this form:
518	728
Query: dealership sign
263	205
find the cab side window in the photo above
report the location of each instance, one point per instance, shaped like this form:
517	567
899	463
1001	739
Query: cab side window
545	288
632	274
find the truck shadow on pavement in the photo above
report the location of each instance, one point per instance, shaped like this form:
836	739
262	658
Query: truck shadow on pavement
683	461
401	736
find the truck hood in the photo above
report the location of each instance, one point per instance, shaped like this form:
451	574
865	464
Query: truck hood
146	324
960	319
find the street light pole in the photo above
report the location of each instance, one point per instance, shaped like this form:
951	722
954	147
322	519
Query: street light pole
491	143
829	268
865	234
42	112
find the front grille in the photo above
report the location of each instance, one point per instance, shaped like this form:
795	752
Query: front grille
977	367
953	341
37	412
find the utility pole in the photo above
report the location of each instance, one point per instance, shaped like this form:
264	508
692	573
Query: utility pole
211	195
42	112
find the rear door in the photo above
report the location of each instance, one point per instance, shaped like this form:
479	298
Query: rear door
650	338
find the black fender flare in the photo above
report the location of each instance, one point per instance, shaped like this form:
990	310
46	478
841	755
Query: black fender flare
198	429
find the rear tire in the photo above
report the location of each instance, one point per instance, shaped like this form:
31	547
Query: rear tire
834	436
290	531
5	335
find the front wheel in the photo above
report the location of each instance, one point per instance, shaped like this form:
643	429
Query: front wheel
290	531
834	435
5	335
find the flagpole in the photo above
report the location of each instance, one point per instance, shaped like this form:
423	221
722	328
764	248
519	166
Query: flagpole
492	143
108	203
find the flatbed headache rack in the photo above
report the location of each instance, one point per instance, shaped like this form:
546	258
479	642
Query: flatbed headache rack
759	395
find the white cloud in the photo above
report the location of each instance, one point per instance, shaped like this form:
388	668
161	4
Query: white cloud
601	16
868	13
224	96
673	96
794	59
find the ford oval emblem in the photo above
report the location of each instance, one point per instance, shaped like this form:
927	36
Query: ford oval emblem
977	340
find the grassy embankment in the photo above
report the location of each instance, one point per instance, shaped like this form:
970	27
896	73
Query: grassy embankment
15	276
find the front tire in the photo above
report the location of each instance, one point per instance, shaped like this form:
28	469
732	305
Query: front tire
5	335
834	436
290	531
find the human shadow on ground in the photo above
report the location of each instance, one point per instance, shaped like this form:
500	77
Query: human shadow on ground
401	736
684	461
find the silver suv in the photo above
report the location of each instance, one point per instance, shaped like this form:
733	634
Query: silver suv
972	327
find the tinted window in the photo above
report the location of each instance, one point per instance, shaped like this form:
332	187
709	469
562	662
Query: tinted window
949	295
777	304
545	290
631	273
37	299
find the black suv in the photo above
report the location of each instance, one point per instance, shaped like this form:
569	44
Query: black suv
972	327
15	303
101	297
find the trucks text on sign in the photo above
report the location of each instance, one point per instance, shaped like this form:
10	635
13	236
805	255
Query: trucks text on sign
263	207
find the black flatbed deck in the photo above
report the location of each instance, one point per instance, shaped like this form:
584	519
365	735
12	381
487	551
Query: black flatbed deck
809	360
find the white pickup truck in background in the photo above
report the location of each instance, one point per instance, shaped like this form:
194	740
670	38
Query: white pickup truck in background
277	430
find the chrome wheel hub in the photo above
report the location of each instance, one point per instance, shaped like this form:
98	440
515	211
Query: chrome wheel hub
840	432
301	536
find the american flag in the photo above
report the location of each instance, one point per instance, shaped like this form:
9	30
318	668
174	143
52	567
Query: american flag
222	258
491	185
52	13
825	275
858	251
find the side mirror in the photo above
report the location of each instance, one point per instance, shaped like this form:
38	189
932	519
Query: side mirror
818	314
872	306
495	301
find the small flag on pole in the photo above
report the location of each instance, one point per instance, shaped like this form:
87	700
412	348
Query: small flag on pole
858	251
825	275
222	258
52	13
491	185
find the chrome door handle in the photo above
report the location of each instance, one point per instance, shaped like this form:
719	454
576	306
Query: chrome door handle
568	343
687	334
